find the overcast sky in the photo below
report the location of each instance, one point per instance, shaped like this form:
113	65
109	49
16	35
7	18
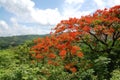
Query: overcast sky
18	17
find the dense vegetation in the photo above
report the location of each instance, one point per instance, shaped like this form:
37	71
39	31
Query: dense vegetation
87	48
6	42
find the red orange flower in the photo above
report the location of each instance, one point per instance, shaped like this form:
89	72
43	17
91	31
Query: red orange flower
80	54
86	28
52	55
62	53
38	56
74	49
73	69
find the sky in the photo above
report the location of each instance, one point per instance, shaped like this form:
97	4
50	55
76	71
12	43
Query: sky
23	17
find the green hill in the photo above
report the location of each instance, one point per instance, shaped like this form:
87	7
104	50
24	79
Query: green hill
6	42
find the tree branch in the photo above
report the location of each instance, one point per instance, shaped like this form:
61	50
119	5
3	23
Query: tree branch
98	39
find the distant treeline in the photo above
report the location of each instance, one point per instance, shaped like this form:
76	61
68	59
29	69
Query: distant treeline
6	42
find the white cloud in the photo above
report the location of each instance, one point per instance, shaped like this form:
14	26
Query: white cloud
112	3
26	12
101	4
4	28
72	8
48	16
20	8
3	24
74	1
18	29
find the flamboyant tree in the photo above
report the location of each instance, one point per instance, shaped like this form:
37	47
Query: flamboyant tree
99	32
103	27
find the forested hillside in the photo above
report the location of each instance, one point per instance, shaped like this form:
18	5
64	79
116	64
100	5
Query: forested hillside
6	42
